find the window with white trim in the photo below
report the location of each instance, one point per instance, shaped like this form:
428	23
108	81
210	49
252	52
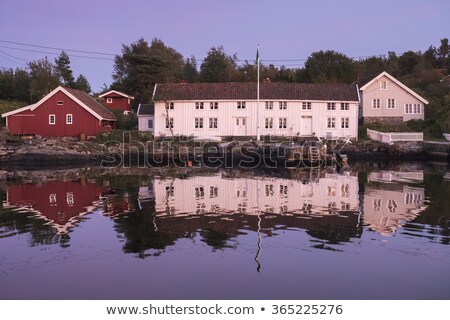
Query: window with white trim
150	123
169	105
383	85
108	100
345	123
213	123
413	108
331	123
198	123
391	103
283	105
241	105
269	105
268	123
345	106
376	104
331	106
306	105
199	105
69	119
214	105
282	123
59	103
169	123
51	119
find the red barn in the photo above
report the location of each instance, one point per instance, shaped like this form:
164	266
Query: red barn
63	112
116	100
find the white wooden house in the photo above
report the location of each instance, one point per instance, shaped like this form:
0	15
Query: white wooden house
385	99
145	115
217	110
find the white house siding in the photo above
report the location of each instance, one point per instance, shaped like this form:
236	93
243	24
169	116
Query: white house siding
184	114
143	123
394	91
218	194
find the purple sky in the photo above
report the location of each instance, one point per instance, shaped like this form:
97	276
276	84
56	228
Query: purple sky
285	30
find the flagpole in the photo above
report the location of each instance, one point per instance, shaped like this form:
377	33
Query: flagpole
257	96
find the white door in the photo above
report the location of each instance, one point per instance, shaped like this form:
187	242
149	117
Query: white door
306	126
240	127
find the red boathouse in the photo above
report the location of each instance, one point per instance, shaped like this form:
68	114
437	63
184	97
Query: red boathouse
116	100
63	112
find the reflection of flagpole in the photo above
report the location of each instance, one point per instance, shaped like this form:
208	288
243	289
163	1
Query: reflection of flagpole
258	268
257	94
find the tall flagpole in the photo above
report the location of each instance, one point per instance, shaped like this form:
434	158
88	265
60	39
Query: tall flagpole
257	96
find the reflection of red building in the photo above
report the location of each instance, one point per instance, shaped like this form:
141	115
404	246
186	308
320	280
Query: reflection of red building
59	202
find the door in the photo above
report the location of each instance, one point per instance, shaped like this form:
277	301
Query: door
240	127
306	126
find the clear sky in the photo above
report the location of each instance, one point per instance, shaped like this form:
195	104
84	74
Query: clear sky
284	29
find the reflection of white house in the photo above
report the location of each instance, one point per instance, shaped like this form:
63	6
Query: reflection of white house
217	194
214	110
385	99
388	206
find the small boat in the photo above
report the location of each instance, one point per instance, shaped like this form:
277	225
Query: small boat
447	136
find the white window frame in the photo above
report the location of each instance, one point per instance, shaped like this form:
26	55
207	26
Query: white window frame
199	106
214	105
413	108
383	85
269	105
390	103
376	103
241	104
331	106
283	105
282	123
345	106
50	116
268	123
213	123
109	100
198	123
148	123
69	116
345	123
331	123
169	106
59	103
169	123
306	105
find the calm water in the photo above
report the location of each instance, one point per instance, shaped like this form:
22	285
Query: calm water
379	234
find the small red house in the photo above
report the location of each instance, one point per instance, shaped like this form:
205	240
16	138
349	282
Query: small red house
116	100
63	112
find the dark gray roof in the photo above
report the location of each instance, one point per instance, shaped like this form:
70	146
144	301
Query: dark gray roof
92	104
247	91
146	109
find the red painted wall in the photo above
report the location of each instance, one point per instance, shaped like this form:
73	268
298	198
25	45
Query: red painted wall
58	201
37	121
118	102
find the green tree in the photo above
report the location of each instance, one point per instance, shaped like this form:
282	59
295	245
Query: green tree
330	67
82	84
63	71
218	66
42	78
141	66
6	84
408	62
21	85
443	52
190	72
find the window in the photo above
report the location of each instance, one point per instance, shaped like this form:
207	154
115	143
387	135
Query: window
59	103
69	198
331	106
345	106
214	105
199	105
213	192
169	191
306	105
345	123
268	123
169	123
282	123
52	198
150	123
391	103
383	85
331	123
283	189
269	190
198	123
213	123
283	105
199	192
243	122
269	105
169	105
241	105
51	119
411	108
69	119
108	100
376	205
376	104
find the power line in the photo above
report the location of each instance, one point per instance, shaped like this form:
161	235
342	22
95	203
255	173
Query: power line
56	54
